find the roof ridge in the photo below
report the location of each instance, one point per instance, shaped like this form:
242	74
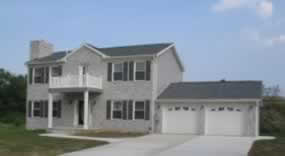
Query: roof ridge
134	45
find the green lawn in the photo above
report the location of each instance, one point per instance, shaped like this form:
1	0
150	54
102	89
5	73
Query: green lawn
274	147
109	134
20	142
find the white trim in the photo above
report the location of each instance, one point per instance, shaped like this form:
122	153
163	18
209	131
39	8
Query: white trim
86	109
126	57
257	119
75	111
95	50
50	110
205	120
205	100
165	49
32	109
83	45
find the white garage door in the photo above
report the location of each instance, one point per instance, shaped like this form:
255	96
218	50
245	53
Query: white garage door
225	120
181	119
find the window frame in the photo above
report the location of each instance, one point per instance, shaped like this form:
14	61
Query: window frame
115	72
34	103
112	110
55	68
39	76
144	71
139	110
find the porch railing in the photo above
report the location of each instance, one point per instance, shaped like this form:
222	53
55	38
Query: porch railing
71	81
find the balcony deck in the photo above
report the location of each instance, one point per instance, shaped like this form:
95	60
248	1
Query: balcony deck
76	83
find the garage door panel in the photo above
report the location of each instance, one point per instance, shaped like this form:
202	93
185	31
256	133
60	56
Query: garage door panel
181	119
226	121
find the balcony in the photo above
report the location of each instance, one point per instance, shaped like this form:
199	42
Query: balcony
76	82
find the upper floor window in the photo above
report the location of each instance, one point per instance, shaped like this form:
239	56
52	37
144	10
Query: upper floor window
56	71
118	71
39	75
140	70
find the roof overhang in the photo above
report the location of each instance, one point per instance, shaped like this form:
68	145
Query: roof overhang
162	101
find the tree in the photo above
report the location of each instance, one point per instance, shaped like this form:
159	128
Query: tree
12	92
271	91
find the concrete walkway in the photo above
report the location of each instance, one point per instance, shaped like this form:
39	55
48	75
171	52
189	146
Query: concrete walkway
110	140
149	145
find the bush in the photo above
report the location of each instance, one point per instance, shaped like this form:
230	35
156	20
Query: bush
272	117
13	118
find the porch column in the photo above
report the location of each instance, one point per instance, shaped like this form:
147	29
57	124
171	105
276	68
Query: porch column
205	121
86	109
257	119
50	110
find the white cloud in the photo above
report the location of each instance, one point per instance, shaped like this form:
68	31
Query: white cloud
277	40
223	5
263	8
262	39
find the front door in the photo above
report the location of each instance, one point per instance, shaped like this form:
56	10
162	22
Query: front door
81	112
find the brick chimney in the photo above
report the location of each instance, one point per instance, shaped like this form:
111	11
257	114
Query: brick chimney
40	48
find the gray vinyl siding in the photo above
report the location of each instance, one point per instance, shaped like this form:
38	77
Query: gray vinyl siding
168	70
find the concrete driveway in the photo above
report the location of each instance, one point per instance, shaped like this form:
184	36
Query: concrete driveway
169	145
212	146
149	145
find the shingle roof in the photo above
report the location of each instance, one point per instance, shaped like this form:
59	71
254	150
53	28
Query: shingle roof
54	57
132	50
213	90
146	49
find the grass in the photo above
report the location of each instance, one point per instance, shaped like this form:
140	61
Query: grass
109	134
274	147
20	142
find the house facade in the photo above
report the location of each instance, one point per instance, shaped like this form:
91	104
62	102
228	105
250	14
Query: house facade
133	88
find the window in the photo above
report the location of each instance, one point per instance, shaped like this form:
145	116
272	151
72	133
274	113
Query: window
56	109
193	109
40	75
140	70
56	71
139	110
177	108
118	72
230	109
185	108
238	110
221	108
30	75
213	109
117	109
37	109
170	109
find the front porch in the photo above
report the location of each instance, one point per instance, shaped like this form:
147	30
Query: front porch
79	105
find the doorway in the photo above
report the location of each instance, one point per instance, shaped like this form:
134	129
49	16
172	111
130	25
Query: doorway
81	112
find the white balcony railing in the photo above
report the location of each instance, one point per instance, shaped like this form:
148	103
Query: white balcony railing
74	81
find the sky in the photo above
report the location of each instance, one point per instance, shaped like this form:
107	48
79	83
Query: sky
216	39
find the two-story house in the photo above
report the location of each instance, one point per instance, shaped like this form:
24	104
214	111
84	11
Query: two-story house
133	88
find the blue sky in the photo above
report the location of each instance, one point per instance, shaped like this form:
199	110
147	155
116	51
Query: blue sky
216	39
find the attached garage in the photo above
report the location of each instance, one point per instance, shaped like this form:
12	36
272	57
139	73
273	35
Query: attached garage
227	108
